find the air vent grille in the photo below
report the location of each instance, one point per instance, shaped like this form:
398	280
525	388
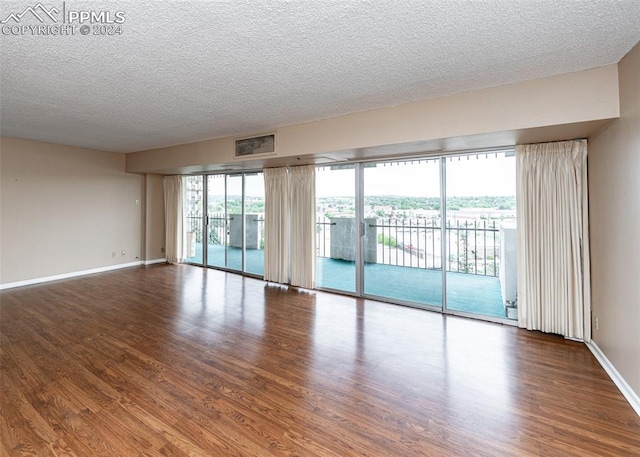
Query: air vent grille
257	145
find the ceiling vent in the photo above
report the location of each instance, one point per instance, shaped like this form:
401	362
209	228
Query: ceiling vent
256	145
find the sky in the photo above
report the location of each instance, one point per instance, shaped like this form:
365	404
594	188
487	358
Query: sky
466	176
469	175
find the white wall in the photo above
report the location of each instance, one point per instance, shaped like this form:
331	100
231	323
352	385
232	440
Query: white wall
614	205
65	209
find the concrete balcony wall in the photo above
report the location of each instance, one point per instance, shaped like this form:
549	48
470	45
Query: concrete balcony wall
251	227
508	266
342	234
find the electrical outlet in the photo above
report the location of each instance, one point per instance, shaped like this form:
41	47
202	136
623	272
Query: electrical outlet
596	323
113	255
122	253
162	249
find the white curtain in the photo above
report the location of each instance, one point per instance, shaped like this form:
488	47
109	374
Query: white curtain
173	218
303	226
553	249
276	229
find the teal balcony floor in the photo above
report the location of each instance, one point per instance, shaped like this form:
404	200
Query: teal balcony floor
465	292
232	259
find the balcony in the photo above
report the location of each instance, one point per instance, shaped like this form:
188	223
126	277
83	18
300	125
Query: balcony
403	261
403	258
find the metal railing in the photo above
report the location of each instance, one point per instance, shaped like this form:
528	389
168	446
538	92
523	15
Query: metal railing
412	243
220	228
472	247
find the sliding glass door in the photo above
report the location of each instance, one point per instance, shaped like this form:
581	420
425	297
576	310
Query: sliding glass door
230	234
217	221
481	235
234	241
254	223
336	228
193	206
402	231
436	232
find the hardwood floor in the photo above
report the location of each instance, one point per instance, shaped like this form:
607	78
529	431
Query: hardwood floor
179	360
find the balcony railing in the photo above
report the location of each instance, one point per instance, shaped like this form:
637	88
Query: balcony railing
227	230
472	247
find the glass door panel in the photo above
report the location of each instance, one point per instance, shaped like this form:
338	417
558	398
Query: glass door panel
254	223
217	221
402	243
481	240
336	228
225	228
194	218
235	225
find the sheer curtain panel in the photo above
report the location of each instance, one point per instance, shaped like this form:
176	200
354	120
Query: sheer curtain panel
173	218
303	226
277	214
553	249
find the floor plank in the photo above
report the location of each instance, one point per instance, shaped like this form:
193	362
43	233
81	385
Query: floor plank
179	360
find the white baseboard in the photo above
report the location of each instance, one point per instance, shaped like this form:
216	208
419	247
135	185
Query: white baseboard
616	377
151	262
28	282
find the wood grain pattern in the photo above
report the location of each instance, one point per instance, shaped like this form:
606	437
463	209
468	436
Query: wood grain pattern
178	360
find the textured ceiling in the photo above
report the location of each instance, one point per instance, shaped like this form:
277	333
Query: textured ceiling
187	71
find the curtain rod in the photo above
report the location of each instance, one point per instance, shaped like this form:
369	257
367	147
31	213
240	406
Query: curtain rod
429	154
414	156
